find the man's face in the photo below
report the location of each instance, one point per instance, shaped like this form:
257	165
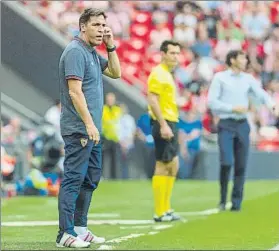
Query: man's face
94	30
110	99
171	56
240	62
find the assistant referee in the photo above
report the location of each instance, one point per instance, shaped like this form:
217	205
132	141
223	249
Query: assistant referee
164	113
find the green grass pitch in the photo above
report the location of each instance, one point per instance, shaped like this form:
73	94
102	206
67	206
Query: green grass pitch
256	227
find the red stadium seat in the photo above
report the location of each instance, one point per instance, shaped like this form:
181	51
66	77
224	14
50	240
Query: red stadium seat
130	69
133	57
137	44
140	31
267	145
154	58
269	140
143	18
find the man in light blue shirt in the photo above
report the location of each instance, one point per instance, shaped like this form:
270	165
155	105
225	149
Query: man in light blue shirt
228	98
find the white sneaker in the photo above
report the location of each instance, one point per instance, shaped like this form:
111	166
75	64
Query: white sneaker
70	241
91	238
163	218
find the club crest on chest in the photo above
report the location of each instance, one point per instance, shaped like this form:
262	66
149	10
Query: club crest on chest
83	142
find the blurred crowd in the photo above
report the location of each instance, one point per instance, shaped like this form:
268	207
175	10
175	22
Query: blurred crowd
207	30
32	158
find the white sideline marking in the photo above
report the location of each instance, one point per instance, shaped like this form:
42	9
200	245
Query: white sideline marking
160	227
153	233
90	222
109	222
17	216
276	247
136	227
140	224
124	238
103	215
205	212
105	247
118	240
155	227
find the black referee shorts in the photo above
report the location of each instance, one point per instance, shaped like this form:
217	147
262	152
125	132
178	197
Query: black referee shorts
165	150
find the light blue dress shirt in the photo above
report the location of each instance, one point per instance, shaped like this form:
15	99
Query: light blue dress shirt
229	89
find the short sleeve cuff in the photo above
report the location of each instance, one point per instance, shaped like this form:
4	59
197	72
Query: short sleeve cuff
105	66
74	77
154	89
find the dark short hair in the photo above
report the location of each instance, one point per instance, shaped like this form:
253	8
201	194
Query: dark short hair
166	43
90	12
233	55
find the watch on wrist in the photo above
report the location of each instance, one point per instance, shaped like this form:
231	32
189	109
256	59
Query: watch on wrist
111	49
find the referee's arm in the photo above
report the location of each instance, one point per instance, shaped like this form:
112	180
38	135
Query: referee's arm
153	101
153	97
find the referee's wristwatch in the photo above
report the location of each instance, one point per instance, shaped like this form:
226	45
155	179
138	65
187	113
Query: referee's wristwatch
111	49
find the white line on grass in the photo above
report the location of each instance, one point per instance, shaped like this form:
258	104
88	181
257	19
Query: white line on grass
205	212
108	222
276	247
90	222
103	215
124	238
136	227
105	247
14	216
157	227
153	233
161	227
139	224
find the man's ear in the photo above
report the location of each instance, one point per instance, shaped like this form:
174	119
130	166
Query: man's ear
82	27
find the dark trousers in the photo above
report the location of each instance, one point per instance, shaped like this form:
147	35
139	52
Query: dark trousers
82	172
233	141
111	158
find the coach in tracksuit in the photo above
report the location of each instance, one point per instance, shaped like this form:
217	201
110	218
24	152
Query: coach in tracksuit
229	100
81	93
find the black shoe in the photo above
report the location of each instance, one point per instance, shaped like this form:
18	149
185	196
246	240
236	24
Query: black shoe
222	206
235	209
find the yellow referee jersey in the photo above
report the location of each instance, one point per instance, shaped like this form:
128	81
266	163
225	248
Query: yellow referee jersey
161	82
